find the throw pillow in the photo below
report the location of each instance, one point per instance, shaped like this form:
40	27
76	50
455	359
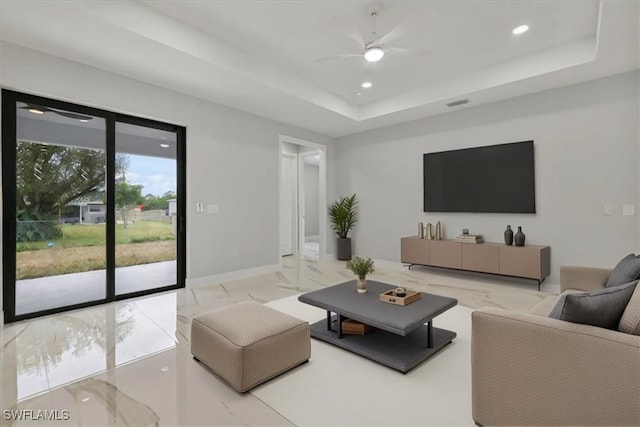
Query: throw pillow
630	321
625	271
602	308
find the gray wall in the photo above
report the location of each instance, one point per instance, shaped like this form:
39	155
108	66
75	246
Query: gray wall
232	156
586	154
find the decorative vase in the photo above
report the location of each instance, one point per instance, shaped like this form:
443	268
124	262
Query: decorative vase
508	236
519	237
344	249
362	284
438	231
429	231
420	230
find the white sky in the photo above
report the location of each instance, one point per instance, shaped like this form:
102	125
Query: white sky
155	174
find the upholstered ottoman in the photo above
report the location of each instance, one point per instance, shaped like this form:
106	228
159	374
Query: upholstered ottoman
248	343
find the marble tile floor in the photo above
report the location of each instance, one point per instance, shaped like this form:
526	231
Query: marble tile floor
128	362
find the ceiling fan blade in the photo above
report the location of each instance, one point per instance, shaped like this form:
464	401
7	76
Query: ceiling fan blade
343	56
349	30
35	107
403	51
71	115
66	114
409	24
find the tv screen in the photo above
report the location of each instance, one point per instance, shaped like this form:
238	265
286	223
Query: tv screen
496	178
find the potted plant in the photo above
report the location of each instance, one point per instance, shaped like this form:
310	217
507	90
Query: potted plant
343	216
361	267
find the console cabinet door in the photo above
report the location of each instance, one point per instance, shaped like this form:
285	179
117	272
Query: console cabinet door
521	261
414	250
445	253
483	257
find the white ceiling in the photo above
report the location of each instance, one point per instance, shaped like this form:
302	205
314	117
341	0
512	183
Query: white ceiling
262	56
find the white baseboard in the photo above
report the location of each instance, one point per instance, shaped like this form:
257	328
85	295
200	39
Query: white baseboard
232	275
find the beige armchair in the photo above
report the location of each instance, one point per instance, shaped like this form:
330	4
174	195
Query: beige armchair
529	369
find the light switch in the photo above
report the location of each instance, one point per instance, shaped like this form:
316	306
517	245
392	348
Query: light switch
199	207
607	209
628	210
213	209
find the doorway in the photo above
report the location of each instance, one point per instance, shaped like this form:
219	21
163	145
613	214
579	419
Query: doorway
93	206
303	196
309	185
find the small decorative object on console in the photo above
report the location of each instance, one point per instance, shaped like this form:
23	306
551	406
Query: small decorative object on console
438	231
465	231
420	230
429	231
508	236
469	238
519	237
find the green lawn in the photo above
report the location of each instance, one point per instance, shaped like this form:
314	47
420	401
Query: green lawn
78	235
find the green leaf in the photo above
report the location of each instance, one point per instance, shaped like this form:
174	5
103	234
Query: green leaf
343	215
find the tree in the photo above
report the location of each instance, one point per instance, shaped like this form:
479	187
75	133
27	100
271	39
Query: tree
126	198
49	177
152	202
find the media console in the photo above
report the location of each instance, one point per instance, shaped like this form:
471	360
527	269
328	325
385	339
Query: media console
529	262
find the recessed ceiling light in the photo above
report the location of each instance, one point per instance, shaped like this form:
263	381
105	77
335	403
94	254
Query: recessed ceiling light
373	54
84	120
164	145
35	111
358	93
367	85
520	29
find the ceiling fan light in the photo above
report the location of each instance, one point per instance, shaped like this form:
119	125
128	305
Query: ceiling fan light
373	54
520	29
366	85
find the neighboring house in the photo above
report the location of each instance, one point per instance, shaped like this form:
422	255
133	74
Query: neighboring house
90	212
173	212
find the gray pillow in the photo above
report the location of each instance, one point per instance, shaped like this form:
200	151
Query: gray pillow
625	271
602	308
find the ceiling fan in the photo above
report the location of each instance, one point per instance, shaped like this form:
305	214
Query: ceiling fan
39	109
375	49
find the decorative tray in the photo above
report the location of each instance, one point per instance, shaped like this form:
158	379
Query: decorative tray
390	298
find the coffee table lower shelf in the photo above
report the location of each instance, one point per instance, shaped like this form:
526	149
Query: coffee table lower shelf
401	353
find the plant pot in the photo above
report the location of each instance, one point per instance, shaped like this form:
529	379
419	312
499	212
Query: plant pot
362	285
344	249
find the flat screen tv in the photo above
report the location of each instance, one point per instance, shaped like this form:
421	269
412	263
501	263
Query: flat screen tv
495	178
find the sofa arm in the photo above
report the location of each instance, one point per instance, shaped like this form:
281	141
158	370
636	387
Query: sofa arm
583	278
533	370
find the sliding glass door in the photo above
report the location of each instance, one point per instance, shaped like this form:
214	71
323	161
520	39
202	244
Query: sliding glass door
93	206
145	208
60	247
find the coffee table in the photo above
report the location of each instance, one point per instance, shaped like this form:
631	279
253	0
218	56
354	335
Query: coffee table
405	335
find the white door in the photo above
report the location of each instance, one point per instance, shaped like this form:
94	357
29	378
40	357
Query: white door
288	214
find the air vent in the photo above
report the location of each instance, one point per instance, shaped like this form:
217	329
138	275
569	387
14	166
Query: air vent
456	103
